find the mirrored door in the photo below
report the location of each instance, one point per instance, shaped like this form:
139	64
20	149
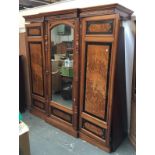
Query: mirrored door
62	43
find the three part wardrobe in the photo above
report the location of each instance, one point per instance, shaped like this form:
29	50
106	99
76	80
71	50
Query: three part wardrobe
77	71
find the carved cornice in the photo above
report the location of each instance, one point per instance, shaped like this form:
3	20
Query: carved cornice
84	12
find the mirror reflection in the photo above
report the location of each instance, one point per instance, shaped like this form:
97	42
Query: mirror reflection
62	39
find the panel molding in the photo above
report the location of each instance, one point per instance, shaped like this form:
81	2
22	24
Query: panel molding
94	120
60	107
39	98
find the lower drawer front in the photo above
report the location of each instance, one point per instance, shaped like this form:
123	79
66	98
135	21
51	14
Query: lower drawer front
93	129
61	114
38	104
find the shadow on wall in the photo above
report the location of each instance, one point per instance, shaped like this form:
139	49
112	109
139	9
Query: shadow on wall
130	30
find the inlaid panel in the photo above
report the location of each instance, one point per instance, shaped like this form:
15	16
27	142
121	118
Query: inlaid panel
62	115
34	31
36	62
99	27
96	85
39	104
100	132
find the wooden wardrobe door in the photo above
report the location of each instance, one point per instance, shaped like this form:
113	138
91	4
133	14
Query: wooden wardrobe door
97	62
35	48
60	115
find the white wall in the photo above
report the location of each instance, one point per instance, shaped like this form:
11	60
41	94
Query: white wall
129	30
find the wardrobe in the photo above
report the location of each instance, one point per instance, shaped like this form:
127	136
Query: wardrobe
77	71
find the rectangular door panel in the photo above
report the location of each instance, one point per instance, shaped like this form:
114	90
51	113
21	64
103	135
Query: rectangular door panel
96	75
36	63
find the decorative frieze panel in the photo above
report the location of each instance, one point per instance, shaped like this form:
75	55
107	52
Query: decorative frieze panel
99	27
34	31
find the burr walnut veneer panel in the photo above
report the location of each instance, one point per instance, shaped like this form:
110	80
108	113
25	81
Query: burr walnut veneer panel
96	78
36	67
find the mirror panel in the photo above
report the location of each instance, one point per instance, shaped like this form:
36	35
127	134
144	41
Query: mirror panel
62	43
